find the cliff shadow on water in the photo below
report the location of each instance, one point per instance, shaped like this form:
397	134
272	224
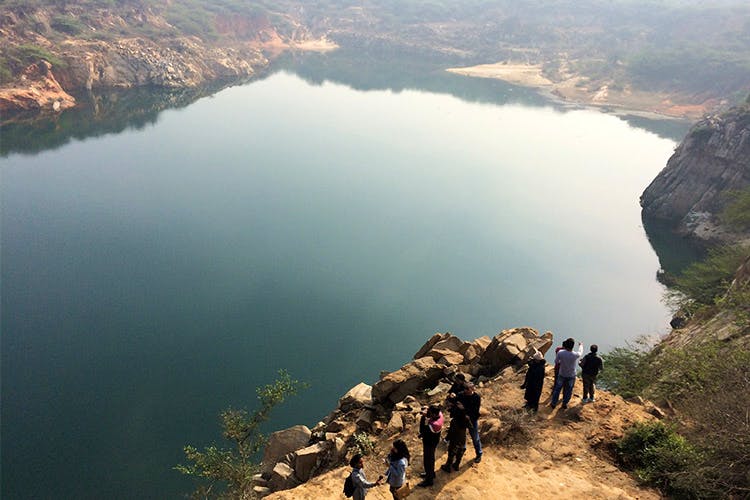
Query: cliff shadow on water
674	251
116	110
96	114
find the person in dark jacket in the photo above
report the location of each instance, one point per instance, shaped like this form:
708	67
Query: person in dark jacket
456	433
591	364
534	381
472	401
430	426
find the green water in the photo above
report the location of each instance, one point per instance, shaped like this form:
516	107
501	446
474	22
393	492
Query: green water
158	265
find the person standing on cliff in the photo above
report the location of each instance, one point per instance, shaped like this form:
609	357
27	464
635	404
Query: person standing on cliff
471	401
567	377
534	381
398	461
361	484
591	365
430	426
456	433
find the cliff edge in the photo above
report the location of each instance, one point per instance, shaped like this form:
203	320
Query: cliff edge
568	452
712	161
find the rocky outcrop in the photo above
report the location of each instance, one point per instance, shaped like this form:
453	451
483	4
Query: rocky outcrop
184	62
131	45
281	443
36	90
712	160
392	404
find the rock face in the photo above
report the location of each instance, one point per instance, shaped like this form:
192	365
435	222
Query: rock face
712	160
283	442
185	62
37	90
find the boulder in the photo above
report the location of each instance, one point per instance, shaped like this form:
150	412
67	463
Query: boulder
357	397
514	346
471	354
281	443
440	389
308	460
338	450
451	358
336	426
422	352
282	477
366	419
395	424
261	491
420	374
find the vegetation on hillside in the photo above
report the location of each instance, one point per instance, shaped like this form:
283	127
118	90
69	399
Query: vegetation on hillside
706	382
683	46
737	213
228	473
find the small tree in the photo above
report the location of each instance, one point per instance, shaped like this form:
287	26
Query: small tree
627	369
234	468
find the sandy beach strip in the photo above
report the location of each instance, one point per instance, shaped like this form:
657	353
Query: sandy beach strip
527	75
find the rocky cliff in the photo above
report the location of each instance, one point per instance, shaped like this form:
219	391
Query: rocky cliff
712	160
525	455
129	44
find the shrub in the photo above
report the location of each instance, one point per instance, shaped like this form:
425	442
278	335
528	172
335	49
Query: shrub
660	457
627	370
363	444
706	281
67	24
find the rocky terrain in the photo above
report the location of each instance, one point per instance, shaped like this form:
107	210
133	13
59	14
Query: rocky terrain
607	54
712	161
108	51
526	455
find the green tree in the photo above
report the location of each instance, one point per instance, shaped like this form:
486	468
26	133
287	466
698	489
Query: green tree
228	473
704	282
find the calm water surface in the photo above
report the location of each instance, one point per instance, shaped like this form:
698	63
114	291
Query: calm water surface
153	277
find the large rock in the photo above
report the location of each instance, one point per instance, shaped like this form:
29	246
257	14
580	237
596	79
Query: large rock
448	357
514	346
395	425
366	419
358	396
420	374
422	352
308	460
281	443
282	477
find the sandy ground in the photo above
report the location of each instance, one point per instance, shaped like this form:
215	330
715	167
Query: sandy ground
565	455
526	75
317	45
573	89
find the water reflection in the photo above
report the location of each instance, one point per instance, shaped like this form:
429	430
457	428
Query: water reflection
114	111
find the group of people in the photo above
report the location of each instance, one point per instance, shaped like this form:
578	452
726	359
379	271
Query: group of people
463	405
565	375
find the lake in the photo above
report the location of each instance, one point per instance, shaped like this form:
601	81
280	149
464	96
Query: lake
155	271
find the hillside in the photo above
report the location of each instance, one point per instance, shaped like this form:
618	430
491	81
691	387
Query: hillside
679	58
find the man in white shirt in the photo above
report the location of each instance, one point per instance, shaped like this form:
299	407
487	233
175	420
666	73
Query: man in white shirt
567	378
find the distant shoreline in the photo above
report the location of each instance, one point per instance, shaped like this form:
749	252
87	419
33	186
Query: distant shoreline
572	91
